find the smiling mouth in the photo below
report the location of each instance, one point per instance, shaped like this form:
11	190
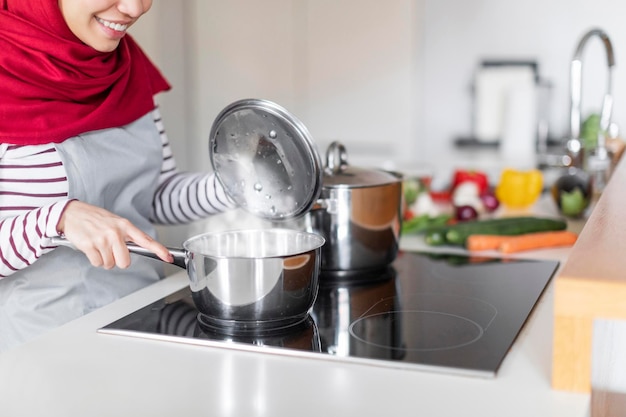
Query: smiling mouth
112	25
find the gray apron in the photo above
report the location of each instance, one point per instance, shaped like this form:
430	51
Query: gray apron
116	169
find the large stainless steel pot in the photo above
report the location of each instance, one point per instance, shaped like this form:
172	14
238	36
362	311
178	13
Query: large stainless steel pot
249	279
359	214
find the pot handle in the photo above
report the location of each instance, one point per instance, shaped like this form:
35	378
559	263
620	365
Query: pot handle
179	255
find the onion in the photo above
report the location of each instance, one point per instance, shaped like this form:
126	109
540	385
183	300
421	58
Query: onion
490	202
465	213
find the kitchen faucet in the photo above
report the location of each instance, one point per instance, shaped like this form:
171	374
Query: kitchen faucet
598	161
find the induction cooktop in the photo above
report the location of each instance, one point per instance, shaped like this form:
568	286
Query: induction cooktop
425	312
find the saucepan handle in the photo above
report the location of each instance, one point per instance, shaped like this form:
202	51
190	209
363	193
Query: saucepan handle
180	255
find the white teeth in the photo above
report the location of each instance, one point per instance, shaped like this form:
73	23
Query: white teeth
111	25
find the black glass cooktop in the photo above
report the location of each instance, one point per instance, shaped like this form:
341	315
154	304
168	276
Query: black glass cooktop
431	312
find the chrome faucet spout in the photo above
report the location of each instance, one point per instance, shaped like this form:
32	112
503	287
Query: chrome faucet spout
574	144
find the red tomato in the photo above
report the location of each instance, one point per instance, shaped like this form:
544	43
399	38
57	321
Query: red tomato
441	196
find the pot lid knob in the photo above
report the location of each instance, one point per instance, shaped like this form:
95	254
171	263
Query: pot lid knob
339	174
336	158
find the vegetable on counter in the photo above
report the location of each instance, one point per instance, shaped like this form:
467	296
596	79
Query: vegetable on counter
471	195
467	194
411	188
519	189
458	233
417	199
441	196
490	202
573	192
476	177
589	130
424	222
527	241
465	213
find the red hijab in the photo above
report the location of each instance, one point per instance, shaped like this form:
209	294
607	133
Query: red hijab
53	86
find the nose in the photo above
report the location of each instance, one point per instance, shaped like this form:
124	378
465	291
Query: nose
134	8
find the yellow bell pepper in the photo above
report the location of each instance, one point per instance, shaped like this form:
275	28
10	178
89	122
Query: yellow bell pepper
519	189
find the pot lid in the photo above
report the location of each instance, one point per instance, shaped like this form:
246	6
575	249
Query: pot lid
339	174
265	159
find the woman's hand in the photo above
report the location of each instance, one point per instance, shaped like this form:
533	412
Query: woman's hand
102	235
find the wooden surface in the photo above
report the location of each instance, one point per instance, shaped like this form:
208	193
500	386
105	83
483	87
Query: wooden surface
607	404
591	285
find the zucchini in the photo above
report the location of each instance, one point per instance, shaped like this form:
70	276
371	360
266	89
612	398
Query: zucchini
424	222
436	236
457	234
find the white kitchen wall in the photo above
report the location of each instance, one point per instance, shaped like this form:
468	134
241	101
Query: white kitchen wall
347	69
359	75
390	78
162	33
243	49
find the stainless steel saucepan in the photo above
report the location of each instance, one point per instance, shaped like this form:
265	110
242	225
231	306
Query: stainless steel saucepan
248	279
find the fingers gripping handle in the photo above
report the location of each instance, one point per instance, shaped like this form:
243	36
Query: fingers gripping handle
179	255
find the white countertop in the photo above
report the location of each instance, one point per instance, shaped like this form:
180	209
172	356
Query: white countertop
74	371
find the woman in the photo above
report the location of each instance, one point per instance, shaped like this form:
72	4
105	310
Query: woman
83	154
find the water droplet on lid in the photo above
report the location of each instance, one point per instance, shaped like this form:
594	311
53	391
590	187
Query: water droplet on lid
268	196
273	134
258	187
279	161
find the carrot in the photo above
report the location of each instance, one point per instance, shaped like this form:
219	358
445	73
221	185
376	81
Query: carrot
519	243
484	242
538	240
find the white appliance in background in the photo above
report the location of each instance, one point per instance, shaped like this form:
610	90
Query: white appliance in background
506	109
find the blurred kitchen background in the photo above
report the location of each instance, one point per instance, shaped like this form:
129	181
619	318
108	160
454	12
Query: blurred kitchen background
396	81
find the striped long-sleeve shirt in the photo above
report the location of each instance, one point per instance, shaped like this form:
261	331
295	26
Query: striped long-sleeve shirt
34	193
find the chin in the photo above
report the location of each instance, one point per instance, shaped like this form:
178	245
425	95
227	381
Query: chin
105	47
